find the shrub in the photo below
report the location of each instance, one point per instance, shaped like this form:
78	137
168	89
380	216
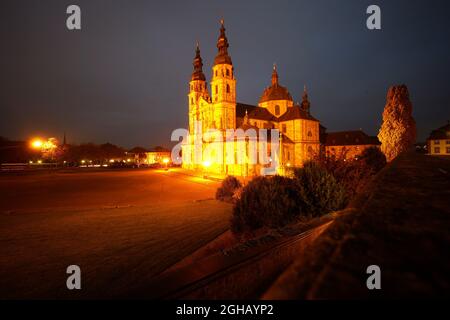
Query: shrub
318	190
228	188
353	175
373	159
266	202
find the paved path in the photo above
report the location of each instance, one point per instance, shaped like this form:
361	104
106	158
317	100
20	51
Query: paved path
118	226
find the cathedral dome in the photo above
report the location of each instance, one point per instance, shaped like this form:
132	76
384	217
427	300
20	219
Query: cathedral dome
275	91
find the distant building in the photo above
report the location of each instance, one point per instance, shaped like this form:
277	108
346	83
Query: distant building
438	143
349	144
158	155
137	155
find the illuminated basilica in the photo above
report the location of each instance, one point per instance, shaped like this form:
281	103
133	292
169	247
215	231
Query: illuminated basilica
298	131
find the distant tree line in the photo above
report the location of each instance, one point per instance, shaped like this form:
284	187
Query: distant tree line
20	152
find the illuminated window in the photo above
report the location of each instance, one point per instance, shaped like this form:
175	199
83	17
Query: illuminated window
436	141
277	110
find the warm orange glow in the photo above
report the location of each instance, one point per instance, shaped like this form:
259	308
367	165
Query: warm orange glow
206	164
166	160
36	143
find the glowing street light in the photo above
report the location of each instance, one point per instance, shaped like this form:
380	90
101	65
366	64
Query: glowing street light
36	143
166	162
206	164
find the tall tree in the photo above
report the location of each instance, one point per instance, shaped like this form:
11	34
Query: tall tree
398	130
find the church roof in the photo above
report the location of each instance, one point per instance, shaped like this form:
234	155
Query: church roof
350	138
254	112
296	112
275	91
259	113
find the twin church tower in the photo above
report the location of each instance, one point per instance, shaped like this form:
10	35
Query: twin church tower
219	110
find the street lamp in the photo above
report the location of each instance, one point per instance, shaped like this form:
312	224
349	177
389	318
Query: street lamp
206	165
36	143
166	162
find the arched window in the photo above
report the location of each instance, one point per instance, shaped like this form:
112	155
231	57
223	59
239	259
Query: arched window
309	134
277	110
228	87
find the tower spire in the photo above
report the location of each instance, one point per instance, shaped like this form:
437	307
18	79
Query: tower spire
305	102
222	46
198	65
274	75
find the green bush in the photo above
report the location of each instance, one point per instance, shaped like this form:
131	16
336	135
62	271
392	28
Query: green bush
266	202
318	190
228	188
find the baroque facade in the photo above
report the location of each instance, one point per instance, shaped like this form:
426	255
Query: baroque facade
300	136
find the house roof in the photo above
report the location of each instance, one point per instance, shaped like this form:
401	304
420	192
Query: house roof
440	133
350	138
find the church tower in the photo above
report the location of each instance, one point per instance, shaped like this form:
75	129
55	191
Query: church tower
305	105
223	86
197	89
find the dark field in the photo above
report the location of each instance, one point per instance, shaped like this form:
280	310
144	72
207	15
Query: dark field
120	227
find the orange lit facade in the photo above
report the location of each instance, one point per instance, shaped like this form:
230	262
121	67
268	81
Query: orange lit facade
438	143
217	109
348	144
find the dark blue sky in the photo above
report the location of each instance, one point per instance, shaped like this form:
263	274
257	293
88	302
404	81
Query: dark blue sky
124	77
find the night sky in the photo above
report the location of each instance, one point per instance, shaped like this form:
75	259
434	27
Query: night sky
124	77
